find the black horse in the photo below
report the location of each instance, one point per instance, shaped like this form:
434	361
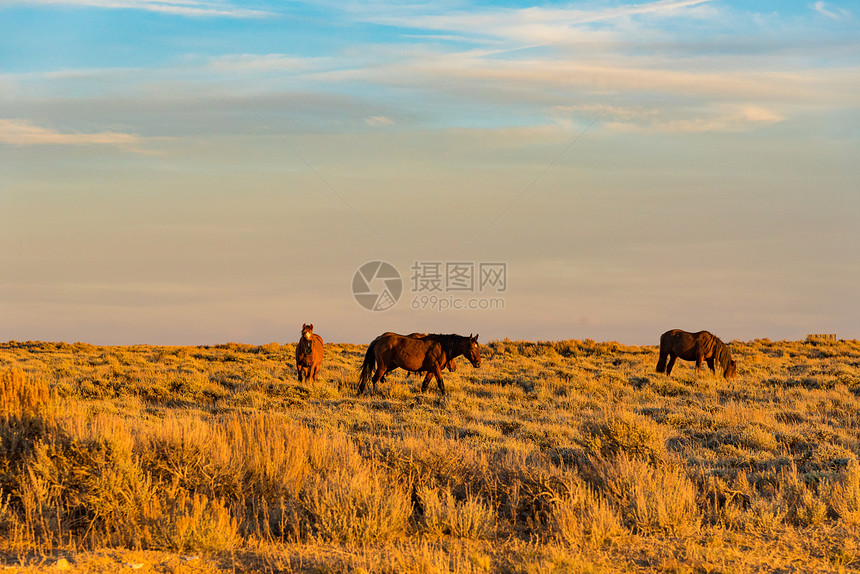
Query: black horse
701	346
428	354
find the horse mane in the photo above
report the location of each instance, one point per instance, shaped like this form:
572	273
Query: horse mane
449	337
722	354
446	341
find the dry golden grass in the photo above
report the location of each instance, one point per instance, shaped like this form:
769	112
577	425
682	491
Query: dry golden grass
570	456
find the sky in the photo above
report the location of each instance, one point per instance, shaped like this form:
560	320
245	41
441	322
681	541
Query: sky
183	172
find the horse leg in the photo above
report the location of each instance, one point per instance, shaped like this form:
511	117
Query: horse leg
426	382
699	358
661	362
380	373
711	365
672	357
382	379
438	374
314	371
299	369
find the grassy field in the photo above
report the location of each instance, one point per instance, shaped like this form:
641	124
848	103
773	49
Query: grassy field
570	456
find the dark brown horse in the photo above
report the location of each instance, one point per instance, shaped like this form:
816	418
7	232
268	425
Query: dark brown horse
451	366
309	353
701	346
429	355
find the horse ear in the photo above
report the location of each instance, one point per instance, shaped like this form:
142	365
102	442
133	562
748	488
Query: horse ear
304	326
311	326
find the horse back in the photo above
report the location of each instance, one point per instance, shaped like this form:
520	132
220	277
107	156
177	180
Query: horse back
676	339
412	354
687	345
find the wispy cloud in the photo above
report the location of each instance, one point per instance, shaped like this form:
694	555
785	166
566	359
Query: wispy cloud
177	7
530	25
267	63
375	121
637	58
723	119
612	75
23	133
832	12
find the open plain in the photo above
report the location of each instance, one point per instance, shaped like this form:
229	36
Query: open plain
570	456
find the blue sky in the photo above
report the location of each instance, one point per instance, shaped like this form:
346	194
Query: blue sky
183	172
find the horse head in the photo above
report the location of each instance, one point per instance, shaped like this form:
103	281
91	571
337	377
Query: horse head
474	351
307	331
731	370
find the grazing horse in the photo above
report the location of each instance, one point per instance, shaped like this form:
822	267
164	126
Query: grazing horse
309	353
429	355
701	346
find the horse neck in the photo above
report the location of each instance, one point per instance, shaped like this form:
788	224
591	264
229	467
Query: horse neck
454	347
306	345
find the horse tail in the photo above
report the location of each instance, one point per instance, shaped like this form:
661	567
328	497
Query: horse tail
664	352
367	366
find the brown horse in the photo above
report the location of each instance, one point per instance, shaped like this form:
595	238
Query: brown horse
451	366
701	346
429	355
309	353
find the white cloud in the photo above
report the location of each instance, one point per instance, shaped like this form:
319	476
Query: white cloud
530	25
831	12
178	7
612	65
21	132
